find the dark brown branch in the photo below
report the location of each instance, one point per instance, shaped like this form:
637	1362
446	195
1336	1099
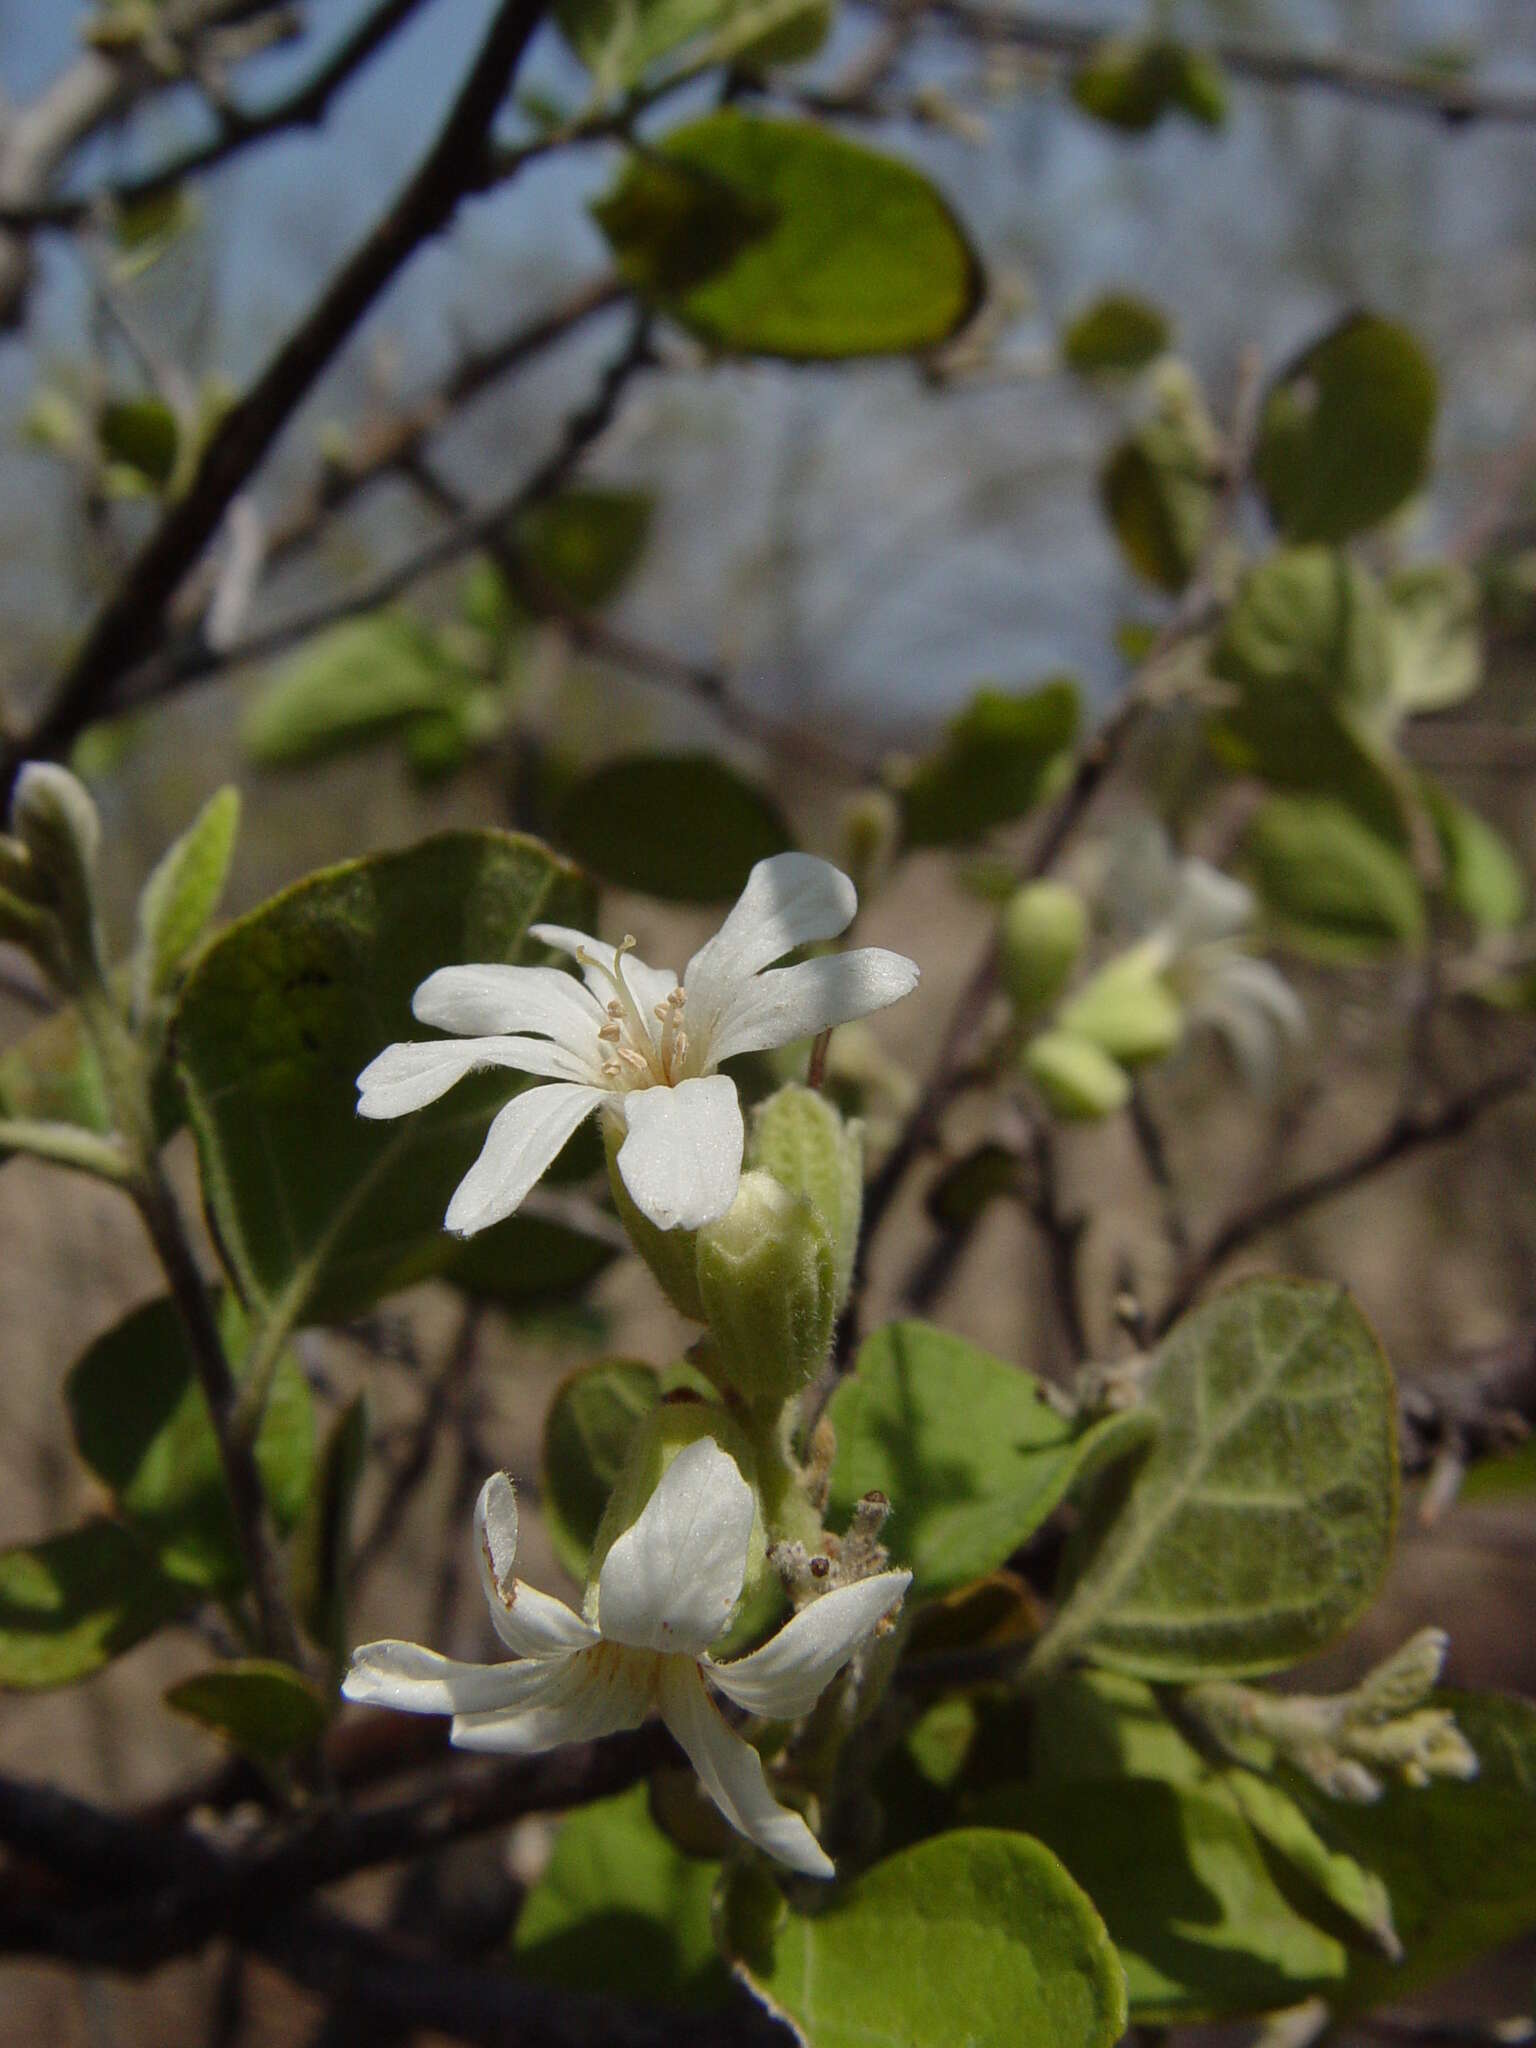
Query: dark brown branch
305	107
1417	89
127	627
1411	1132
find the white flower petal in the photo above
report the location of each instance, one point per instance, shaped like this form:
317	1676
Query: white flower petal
650	986
530	1623
681	1159
415	1072
601	966
524	1139
1207	906
670	1581
787	1003
790	900
731	1772
477	1000
787	1676
417	1681
581	1698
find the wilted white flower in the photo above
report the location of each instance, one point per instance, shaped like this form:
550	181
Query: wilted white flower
1199	918
639	1044
665	1593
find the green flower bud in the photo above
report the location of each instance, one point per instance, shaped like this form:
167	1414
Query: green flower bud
769	1282
656	1442
1044	929
1127	1010
871	833
56	821
1077	1078
668	1253
799	1137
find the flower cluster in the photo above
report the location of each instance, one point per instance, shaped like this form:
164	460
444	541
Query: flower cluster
639	1044
665	1592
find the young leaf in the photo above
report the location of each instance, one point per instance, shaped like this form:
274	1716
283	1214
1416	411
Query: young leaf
322	1549
981	1936
1004	754
1259	1523
1345	430
1336	890
1437	649
1482	876
1310	618
182	895
1118	332
141	436
70	1604
317	1211
1130	84
585	544
141	1424
264	1710
620	1909
779	238
587	1431
1459	1859
350	686
969	1450
1158	488
683	827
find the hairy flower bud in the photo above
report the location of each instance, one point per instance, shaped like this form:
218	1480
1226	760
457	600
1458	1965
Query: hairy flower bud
56	821
1127	1010
1078	1079
768	1279
799	1137
1040	939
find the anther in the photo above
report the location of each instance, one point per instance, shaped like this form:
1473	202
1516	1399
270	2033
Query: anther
631	1058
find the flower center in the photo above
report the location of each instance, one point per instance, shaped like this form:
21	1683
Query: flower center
636	1053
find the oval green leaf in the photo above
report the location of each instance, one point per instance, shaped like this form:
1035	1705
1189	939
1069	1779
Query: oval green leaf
1345	431
779	238
682	826
1118	332
70	1604
1258	1526
970	1451
264	1710
586	1433
977	1936
1005	753
1335	890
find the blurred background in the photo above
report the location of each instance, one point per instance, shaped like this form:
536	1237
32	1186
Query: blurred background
856	549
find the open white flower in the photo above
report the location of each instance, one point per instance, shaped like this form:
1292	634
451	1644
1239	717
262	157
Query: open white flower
665	1592
639	1044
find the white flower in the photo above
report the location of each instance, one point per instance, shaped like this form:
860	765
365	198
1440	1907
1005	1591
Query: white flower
665	1592
639	1044
1200	918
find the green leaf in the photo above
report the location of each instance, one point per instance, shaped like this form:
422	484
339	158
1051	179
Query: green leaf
70	1604
1117	332
970	1451
143	435
1004	754
182	894
1295	740
1200	1922
1345	430
681	826
318	1213
977	1936
587	1431
527	1263
350	686
620	40
264	1710
1459	1859
621	1910
1131	84
1259	1524
1335	889
1310	618
585	544
53	1074
1159	487
1482	876
1437	650
141	1424
322	1548
779	238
